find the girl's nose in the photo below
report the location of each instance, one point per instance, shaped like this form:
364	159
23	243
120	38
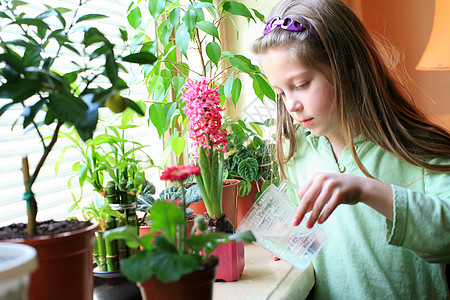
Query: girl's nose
292	104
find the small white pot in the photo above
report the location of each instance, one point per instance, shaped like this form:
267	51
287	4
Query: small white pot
17	262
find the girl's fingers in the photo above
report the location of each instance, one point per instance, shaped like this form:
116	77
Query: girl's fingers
322	193
307	194
330	207
320	203
299	214
327	190
303	208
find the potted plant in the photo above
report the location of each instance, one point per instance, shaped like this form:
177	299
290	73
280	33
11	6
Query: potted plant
188	44
250	158
185	36
52	98
106	254
209	143
169	194
110	155
174	266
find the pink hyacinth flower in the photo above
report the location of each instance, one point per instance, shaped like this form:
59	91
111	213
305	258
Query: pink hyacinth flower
203	113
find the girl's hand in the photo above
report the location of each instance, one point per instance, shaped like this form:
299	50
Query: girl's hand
323	192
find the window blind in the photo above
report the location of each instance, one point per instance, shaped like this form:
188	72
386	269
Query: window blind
52	193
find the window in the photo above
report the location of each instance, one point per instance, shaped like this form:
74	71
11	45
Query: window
52	192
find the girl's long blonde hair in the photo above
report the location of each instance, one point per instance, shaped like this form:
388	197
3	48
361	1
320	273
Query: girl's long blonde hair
370	97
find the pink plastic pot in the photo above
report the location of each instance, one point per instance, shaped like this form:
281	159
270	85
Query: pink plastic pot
231	261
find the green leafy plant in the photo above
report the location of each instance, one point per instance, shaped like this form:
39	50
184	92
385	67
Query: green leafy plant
185	36
52	98
114	166
250	157
172	254
146	198
192	195
109	155
105	252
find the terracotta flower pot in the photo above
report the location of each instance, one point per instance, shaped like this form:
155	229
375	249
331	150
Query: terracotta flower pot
229	201
231	261
197	285
146	229
246	202
65	265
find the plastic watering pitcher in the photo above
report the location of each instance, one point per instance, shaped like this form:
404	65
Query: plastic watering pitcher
270	220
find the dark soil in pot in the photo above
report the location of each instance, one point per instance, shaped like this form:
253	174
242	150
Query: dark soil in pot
50	227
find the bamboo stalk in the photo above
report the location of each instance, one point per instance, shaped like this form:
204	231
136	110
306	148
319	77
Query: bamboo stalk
111	247
131	194
122	251
110	223
123	192
95	252
123	185
121	245
102	265
111	193
132	217
131	212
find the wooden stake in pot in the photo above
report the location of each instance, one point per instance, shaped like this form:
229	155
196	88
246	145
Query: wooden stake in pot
29	197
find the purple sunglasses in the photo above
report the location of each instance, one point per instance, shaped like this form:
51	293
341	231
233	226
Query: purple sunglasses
285	23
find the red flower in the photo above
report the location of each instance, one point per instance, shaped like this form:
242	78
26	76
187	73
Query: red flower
179	173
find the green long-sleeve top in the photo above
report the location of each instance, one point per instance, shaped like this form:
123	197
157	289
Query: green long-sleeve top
366	255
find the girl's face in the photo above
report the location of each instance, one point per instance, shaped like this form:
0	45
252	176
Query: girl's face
307	93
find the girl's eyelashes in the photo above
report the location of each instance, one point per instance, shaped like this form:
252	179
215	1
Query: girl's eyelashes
302	86
299	87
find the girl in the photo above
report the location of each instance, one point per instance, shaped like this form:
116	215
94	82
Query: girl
348	133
